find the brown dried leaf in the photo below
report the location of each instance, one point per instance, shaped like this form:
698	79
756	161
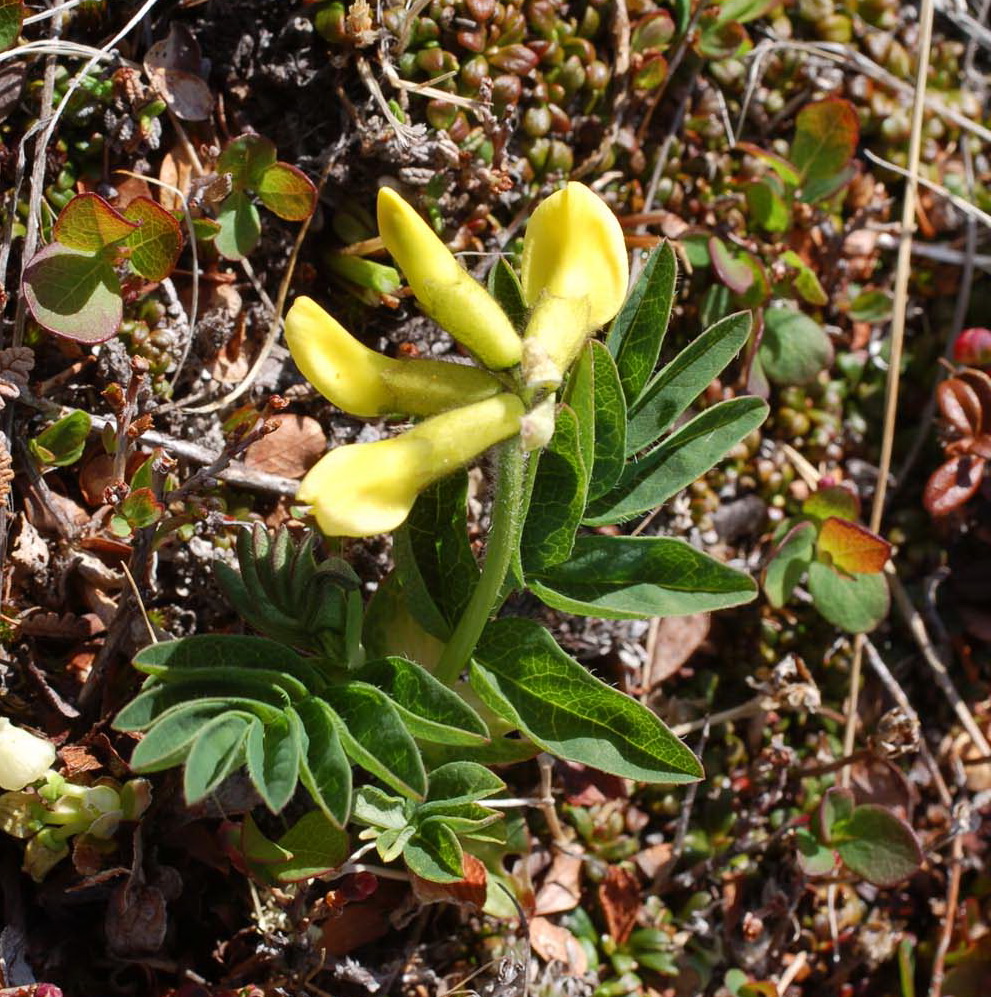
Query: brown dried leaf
16	364
561	889
291	450
78	759
673	641
556	944
176	171
953	484
6	472
619	895
980	382
469	891
172	65
51	625
136	919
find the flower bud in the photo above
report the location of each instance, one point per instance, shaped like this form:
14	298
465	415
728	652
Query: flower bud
447	292
24	758
574	270
365	383
363	489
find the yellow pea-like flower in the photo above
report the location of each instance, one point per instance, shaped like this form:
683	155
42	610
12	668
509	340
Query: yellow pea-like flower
365	383
446	291
363	489
574	272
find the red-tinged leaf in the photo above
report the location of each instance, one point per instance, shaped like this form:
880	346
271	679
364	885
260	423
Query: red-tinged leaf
716	40
853	548
11	19
287	191
953	484
973	347
960	406
156	243
467	892
246	158
141	508
733	272
88	224
652	73
73	294
785	170
981	446
980	382
654	32
826	136
833	500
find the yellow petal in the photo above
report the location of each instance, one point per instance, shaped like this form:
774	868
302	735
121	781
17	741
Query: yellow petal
447	292
365	383
367	488
573	252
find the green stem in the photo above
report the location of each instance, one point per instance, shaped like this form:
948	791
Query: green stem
504	539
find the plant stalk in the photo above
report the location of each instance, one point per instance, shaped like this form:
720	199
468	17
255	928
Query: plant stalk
504	538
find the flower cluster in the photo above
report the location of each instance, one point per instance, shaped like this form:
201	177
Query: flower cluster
573	277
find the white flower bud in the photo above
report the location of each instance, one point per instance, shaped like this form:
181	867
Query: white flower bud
24	758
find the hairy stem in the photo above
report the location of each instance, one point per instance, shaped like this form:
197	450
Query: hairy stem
504	538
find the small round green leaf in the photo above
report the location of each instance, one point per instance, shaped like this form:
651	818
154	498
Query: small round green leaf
240	227
878	845
794	347
11	19
855	603
246	158
88	223
157	241
287	191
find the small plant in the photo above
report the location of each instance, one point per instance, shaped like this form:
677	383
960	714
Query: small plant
871	841
844	561
252	165
71	286
424	670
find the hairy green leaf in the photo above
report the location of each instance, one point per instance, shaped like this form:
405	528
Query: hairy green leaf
216	752
273	753
324	768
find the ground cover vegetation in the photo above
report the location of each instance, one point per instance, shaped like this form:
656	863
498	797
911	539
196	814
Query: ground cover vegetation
494	498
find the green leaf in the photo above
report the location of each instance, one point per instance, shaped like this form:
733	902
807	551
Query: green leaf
167	743
730	266
790	560
141	509
521	674
434	853
505	287
794	347
854	603
374	736
463	782
288	191
430	710
216	752
638	330
258	849
579	396
434	556
871	306
156	243
89	224
835	808
155	700
376	808
806	283
826	137
557	501
240	227
681	381
72	294
682	458
878	845
833	500
784	170
767	206
610	421
744	11
273	754
246	158
11	19
637	577
63	442
826	187
324	768
317	846
814	858
231	652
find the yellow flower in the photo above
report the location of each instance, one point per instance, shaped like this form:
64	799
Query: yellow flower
447	292
368	488
574	272
365	383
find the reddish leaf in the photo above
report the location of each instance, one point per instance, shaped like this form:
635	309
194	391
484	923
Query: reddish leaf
88	223
156	243
952	484
853	548
733	272
826	136
960	406
469	891
980	383
287	191
973	347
